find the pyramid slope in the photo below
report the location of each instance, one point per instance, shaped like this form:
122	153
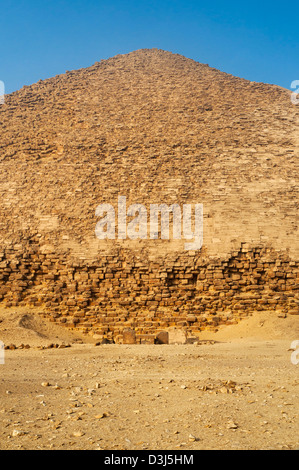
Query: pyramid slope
157	128
154	127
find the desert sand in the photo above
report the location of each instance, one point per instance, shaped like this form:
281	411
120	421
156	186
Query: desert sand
236	389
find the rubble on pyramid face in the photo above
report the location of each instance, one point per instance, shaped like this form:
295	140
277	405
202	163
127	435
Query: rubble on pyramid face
157	128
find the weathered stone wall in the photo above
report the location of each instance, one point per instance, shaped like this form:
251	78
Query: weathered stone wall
121	290
156	128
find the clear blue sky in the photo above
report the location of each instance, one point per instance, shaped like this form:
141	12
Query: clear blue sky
255	40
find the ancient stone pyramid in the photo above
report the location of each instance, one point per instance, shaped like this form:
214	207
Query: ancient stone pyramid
154	127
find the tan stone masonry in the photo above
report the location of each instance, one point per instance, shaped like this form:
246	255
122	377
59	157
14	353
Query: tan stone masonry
121	291
157	128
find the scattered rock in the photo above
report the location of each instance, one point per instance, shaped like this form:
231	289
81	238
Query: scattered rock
78	434
231	425
18	433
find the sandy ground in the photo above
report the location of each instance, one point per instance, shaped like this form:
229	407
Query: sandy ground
239	391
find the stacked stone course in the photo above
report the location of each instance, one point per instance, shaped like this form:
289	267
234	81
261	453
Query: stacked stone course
188	292
158	128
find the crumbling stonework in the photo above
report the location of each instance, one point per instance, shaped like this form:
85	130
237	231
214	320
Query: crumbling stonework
121	292
157	128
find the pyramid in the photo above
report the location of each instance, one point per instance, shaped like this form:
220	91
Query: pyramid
154	128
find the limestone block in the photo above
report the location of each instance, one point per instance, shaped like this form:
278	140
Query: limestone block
177	336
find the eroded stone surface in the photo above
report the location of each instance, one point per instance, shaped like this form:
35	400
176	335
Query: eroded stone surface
157	128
